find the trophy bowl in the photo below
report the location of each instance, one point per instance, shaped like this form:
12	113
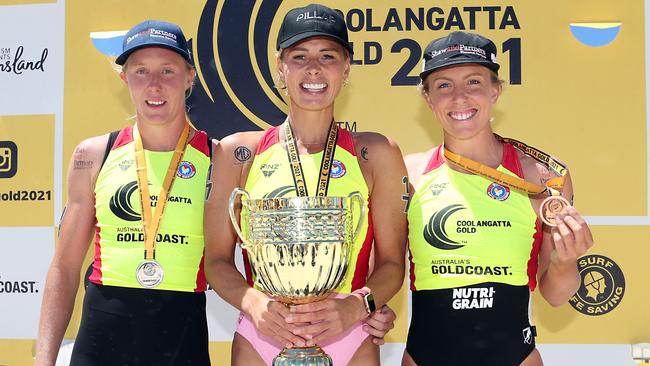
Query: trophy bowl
298	248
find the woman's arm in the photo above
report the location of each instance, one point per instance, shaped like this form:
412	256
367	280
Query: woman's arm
220	243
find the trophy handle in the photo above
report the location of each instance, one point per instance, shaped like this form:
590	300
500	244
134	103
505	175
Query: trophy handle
356	196
231	210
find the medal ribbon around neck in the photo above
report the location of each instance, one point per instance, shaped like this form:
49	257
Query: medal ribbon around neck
553	186
150	224
325	165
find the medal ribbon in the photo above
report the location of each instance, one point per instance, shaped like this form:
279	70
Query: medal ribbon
325	165
553	186
151	223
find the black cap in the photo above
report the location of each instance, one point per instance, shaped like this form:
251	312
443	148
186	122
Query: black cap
154	33
311	21
459	48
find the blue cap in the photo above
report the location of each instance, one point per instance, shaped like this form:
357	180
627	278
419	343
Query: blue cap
157	34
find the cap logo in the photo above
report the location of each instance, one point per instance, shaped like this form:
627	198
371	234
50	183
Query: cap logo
471	50
153	32
314	15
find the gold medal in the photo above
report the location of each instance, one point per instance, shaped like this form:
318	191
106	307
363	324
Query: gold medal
552	206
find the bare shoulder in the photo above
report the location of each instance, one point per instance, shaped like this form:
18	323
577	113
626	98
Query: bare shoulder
239	147
416	163
372	142
89	154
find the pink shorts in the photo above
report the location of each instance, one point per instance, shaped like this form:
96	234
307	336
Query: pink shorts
340	348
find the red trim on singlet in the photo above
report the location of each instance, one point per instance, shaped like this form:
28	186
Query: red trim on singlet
363	258
200	277
200	142
247	267
411	267
124	137
96	275
346	141
435	160
534	255
512	163
270	138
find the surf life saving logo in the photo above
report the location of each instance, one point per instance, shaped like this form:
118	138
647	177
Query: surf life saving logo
186	170
498	192
338	169
602	286
435	232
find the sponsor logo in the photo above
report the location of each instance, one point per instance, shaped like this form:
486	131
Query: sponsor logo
528	333
120	203
153	32
435	232
437	188
464	267
269	169
8	159
135	235
337	170
315	16
473	298
498	192
17	63
186	170
602	286
280	192
126	164
12	286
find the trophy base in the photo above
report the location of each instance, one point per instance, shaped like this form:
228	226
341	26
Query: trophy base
302	356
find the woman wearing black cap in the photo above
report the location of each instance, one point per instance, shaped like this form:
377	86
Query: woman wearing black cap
487	222
313	63
145	303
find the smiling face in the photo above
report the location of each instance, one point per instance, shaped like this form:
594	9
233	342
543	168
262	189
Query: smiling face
157	79
462	98
313	71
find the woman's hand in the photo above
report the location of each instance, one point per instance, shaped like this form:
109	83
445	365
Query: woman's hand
379	322
321	320
269	317
571	238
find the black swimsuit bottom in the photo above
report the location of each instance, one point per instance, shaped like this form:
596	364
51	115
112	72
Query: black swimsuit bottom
485	324
126	326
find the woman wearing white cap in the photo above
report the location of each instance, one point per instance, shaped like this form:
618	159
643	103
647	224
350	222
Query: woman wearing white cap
487	222
313	63
145	302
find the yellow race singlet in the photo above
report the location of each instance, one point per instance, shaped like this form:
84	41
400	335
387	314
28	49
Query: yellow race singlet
270	176
119	239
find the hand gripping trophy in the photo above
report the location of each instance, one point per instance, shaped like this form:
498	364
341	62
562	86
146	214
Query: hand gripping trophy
299	247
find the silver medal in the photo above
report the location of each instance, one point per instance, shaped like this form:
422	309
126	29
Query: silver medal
149	274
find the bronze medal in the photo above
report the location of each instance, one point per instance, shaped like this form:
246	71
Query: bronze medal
552	206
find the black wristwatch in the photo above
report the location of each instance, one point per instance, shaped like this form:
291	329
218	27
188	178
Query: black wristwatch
368	299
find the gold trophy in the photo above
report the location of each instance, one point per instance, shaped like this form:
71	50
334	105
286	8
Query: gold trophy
299	248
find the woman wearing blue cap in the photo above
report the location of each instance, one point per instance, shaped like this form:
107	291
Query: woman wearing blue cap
145	302
313	65
488	222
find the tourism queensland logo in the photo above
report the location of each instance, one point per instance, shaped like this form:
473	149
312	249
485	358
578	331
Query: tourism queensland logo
8	159
602	285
